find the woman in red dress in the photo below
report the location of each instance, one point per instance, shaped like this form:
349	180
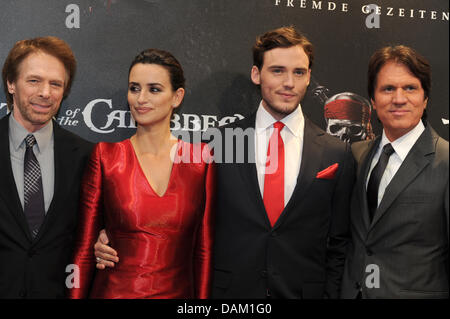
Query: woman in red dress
153	194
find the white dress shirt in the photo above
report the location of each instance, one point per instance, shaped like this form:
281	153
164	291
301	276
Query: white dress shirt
401	146
292	135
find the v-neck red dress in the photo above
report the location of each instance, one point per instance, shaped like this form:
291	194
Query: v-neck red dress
164	242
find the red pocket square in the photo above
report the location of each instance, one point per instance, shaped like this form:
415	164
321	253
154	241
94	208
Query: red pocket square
329	172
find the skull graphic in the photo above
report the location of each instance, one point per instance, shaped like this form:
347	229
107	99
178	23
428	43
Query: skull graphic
348	117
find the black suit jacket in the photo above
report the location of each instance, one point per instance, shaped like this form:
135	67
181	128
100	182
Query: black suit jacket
36	268
302	256
408	237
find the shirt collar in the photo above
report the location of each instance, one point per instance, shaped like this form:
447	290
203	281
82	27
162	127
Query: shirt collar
403	144
18	133
293	121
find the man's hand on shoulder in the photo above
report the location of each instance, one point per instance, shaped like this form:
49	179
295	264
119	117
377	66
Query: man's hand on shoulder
105	255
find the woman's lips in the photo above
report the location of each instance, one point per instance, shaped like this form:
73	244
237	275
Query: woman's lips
142	110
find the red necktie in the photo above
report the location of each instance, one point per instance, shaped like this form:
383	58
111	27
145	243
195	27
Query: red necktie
274	175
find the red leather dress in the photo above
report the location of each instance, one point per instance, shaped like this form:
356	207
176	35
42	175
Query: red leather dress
164	243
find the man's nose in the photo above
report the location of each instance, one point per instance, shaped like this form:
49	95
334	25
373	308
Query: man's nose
45	90
289	80
399	96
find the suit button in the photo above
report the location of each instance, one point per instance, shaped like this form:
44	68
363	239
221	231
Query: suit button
358	285
31	253
23	293
274	234
263	273
369	252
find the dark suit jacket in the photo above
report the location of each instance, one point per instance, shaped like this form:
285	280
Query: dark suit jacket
302	256
408	237
36	268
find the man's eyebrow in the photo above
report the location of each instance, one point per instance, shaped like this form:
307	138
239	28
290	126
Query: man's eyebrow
33	76
283	67
36	76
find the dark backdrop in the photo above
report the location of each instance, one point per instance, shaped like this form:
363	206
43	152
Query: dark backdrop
212	40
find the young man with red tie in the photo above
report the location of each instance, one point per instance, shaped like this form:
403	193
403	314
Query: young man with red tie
282	230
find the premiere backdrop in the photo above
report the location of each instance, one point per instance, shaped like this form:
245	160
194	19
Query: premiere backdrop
212	40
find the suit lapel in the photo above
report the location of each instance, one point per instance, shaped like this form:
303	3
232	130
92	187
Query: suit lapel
310	165
8	192
250	177
248	169
363	172
411	167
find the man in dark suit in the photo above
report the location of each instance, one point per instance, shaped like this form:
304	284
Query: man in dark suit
400	204
282	228
282	236
41	171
